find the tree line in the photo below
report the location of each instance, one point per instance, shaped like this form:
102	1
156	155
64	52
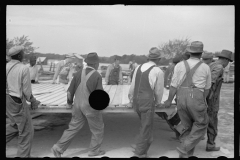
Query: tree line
169	50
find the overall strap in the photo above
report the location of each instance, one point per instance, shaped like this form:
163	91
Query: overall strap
193	70
7	75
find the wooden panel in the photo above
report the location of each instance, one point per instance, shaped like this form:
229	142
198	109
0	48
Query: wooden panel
125	91
112	92
43	86
117	100
107	88
59	99
51	89
49	94
54	98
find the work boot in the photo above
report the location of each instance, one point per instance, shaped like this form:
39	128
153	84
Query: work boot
203	138
140	156
55	152
211	149
99	153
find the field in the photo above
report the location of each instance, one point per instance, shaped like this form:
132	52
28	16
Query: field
120	130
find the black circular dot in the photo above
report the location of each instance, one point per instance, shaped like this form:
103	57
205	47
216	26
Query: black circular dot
99	99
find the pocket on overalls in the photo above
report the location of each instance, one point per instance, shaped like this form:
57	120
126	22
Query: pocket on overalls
198	101
12	106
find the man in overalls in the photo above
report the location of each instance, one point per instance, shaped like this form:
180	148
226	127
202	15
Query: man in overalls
18	90
114	73
191	82
217	69
145	93
207	57
83	83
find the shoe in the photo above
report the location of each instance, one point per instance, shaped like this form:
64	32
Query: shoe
140	156
203	138
99	153
208	149
55	152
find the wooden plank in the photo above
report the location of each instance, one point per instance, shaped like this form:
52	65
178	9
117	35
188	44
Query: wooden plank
107	88
118	96
49	94
125	91
60	100
112	92
48	97
54	98
42	86
50	88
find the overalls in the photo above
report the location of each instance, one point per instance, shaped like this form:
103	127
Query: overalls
143	104
213	108
114	76
20	124
82	112
192	110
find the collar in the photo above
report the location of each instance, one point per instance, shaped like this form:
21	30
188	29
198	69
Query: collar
151	62
90	67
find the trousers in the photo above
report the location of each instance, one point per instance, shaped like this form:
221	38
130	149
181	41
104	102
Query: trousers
96	125
192	111
20	126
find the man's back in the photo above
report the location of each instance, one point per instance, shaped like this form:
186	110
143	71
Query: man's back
18	79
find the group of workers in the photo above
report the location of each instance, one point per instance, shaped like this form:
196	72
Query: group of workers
196	85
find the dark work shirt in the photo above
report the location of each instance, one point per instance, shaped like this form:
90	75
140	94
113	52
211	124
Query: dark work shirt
93	83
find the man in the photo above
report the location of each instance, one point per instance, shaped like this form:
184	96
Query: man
134	66
207	57
191	81
33	68
186	55
18	90
114	73
145	93
169	72
64	67
214	97
84	82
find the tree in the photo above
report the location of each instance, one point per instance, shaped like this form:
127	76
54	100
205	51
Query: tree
24	41
174	47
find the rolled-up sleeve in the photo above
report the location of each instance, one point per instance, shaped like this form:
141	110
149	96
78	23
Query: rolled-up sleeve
131	90
26	84
159	87
209	79
175	78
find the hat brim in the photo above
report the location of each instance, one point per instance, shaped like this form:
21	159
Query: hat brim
225	57
159	57
90	62
191	51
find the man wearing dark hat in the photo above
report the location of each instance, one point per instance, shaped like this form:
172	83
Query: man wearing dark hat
207	57
213	98
83	83
114	73
145	93
191	82
18	91
33	68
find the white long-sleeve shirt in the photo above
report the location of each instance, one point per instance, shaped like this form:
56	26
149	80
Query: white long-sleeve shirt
156	81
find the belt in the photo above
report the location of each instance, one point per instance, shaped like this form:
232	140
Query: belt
201	89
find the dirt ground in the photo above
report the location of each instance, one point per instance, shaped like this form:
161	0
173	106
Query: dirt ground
120	130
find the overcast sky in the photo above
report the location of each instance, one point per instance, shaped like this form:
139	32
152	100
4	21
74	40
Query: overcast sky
118	29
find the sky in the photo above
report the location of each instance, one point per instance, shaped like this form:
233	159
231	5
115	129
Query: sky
118	29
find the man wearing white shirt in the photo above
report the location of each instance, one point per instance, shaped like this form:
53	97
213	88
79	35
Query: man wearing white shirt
145	93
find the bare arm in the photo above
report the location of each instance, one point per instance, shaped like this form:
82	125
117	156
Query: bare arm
159	87
26	84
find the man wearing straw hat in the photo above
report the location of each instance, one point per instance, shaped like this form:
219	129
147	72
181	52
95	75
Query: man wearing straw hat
64	67
217	69
191	82
207	57
145	94
84	82
18	91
